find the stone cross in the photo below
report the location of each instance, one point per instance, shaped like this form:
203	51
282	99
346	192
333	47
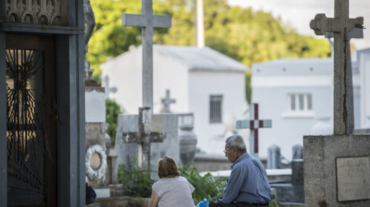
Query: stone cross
341	25
108	89
144	137
147	21
254	124
167	102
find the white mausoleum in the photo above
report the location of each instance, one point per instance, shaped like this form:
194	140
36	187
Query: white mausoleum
201	80
297	94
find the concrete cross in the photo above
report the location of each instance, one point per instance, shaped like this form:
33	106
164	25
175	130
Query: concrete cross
108	89
168	101
144	137
147	21
341	26
254	124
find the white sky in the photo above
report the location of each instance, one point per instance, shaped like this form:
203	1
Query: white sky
298	13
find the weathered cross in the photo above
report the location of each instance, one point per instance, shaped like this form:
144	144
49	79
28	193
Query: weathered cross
341	26
254	124
147	21
167	102
144	136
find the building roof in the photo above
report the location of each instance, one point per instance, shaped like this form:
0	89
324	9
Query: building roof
201	58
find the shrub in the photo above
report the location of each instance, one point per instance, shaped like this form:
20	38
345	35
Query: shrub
205	186
136	181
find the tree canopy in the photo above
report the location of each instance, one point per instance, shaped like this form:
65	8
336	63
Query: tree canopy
241	33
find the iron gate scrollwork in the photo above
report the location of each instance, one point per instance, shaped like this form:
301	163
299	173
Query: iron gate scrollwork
27	147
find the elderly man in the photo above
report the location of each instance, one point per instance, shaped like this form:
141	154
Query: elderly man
247	185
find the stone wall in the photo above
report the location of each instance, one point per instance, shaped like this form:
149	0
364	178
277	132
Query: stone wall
209	162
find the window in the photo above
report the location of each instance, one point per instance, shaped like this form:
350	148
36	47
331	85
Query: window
303	101
215	109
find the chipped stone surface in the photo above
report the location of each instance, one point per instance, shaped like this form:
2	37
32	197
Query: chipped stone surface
320	174
167	123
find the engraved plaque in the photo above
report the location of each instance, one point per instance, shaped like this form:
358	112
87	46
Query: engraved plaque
353	178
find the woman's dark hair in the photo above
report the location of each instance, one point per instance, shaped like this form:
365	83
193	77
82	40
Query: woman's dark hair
167	168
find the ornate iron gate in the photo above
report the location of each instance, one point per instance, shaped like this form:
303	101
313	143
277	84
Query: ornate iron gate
31	120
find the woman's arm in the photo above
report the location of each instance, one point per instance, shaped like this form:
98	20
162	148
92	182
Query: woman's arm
153	199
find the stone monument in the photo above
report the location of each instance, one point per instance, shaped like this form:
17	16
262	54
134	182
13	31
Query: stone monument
96	158
138	134
336	171
187	139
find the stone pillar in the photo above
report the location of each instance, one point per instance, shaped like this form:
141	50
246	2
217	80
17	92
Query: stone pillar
274	157
111	172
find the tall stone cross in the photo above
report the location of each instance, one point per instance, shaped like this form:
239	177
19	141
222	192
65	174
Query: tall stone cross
341	25
254	124
147	21
167	102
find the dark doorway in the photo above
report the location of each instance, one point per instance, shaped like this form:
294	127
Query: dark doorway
31	121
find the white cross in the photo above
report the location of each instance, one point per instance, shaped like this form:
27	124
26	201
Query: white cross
341	25
108	89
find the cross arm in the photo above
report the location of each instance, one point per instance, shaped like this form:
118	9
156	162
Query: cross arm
138	20
157	136
253	124
131	137
321	24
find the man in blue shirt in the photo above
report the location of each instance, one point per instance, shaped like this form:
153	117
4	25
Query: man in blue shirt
248	184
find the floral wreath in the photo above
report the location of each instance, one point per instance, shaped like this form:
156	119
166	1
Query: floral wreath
99	173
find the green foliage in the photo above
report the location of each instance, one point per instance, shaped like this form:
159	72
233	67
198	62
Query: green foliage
248	87
113	109
136	181
205	186
240	33
273	202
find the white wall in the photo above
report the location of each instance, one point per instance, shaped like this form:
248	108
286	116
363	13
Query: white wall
201	86
173	75
272	82
125	73
364	64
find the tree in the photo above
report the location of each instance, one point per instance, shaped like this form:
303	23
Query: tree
113	109
243	34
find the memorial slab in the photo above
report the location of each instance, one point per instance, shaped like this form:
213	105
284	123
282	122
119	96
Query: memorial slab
353	178
320	168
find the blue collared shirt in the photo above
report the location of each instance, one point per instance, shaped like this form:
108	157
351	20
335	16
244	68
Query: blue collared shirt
248	182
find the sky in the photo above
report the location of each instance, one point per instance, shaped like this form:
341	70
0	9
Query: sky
299	13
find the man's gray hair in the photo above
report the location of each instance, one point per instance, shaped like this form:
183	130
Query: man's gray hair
236	141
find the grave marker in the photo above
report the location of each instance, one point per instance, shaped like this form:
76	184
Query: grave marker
328	170
167	102
254	124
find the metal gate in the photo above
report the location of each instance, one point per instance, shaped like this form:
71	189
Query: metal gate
31	120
